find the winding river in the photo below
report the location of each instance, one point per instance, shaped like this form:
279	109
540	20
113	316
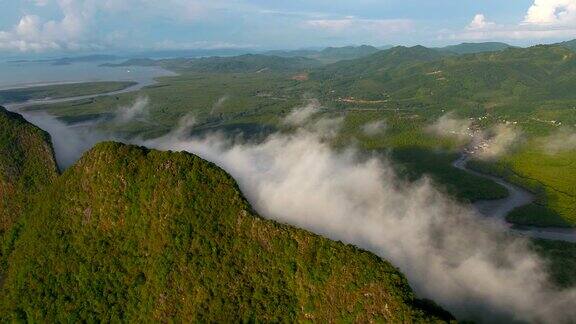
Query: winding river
497	209
517	197
48	101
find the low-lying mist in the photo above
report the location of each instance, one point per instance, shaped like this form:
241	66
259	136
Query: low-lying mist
561	141
468	264
489	144
71	141
374	128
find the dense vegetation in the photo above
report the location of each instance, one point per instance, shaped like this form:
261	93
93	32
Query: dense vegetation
561	260
61	91
549	177
531	88
249	63
409	88
569	44
330	54
124	240
130	234
473	48
27	165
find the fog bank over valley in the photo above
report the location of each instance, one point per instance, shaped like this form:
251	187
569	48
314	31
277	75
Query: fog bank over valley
468	264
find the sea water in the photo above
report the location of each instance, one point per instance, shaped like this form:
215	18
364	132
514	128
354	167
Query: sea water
29	74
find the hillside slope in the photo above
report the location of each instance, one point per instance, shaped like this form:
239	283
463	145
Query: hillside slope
569	44
380	62
27	164
330	54
248	63
515	74
473	48
131	234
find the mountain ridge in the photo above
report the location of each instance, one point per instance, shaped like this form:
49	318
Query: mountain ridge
475	48
130	233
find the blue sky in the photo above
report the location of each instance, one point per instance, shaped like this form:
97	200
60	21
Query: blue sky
44	26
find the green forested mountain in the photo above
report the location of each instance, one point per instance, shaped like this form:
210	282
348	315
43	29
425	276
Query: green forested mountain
27	165
248	63
569	44
133	62
473	48
396	57
130	234
536	73
330	54
531	88
243	63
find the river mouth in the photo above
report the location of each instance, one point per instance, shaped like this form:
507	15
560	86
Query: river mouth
518	197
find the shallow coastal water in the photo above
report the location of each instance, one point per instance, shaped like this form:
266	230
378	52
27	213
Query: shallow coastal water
28	74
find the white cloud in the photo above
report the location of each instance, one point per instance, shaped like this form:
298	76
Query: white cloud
479	22
488	144
299	116
41	3
331	24
137	110
449	254
79	30
32	33
544	19
562	141
552	12
354	24
450	126
374	128
499	140
466	263
172	45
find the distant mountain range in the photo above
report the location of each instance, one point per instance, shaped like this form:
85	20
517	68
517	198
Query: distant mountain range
569	44
72	60
214	61
255	63
332	54
524	74
472	48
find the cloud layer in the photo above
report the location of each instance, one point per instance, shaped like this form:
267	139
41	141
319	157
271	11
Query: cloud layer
450	126
447	251
71	32
374	128
92	25
488	144
563	140
544	19
299	116
552	13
